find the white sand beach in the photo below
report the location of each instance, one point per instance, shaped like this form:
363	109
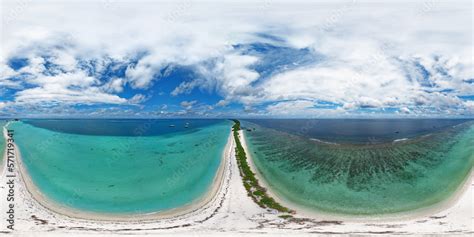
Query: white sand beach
225	211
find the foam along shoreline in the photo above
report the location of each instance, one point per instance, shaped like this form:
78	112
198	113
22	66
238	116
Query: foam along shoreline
53	206
459	197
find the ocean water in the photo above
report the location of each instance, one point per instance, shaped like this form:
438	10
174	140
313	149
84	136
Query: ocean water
358	131
2	140
364	177
122	127
157	169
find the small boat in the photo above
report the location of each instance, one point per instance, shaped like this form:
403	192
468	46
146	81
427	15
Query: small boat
172	126
186	125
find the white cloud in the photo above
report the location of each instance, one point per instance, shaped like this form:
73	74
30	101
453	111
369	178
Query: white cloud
57	94
185	87
188	104
230	76
302	108
234	75
138	99
405	110
115	85
291	107
3	104
141	76
469	105
222	103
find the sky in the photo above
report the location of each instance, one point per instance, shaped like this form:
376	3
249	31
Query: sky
263	58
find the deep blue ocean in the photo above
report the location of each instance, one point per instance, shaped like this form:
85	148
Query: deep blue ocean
122	127
356	130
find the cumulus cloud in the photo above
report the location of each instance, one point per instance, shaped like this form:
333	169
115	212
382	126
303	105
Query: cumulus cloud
304	108
188	104
222	103
138	99
405	110
141	76
115	85
67	88
291	107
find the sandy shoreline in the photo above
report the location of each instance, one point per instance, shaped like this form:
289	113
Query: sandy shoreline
81	214
309	213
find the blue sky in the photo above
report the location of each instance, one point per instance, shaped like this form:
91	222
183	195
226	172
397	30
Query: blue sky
226	59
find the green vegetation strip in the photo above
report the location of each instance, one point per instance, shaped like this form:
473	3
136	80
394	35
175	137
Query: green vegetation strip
254	190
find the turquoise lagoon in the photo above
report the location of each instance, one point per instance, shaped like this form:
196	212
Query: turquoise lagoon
362	178
140	166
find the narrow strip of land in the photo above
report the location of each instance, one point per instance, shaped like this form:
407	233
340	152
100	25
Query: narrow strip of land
251	184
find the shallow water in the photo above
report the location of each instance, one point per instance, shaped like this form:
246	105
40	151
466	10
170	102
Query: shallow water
123	174
363	179
2	140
